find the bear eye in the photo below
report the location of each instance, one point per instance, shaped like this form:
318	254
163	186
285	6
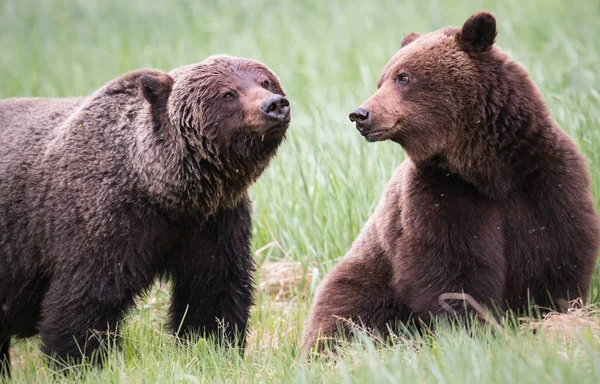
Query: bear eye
403	78
228	96
265	84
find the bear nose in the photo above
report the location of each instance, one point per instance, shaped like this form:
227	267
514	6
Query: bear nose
359	115
277	107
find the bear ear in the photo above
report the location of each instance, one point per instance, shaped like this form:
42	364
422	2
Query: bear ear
409	39
156	88
478	33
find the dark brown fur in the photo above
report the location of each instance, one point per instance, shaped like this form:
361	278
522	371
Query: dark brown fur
494	199
148	176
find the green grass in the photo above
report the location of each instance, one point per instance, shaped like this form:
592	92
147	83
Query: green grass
326	179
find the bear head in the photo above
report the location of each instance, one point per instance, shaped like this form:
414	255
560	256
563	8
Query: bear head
433	89
215	127
229	110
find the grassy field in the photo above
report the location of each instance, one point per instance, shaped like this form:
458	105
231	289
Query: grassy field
326	180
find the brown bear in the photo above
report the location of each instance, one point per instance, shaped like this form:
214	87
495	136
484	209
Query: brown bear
146	177
493	200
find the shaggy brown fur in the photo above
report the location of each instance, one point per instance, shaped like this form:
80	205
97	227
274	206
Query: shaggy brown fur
494	200
148	176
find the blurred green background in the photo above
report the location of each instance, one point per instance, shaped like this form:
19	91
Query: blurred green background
326	180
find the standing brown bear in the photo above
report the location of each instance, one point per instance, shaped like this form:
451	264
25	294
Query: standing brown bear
148	176
494	200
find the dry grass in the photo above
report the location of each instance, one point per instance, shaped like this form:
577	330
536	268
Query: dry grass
566	325
283	279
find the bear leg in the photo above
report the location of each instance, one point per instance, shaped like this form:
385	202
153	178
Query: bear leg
81	317
356	292
213	286
4	358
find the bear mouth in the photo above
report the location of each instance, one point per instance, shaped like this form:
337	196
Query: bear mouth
373	136
278	127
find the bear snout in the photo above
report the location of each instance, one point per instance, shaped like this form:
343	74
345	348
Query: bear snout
361	117
277	108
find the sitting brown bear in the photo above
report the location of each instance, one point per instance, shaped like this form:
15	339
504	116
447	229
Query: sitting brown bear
148	176
493	201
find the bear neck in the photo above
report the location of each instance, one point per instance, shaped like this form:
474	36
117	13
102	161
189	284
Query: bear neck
188	179
214	179
510	138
